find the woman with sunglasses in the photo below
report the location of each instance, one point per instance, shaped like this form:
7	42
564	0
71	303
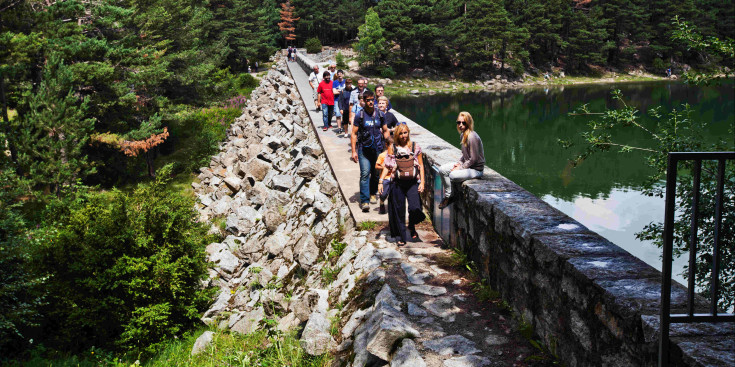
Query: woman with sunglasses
471	164
404	162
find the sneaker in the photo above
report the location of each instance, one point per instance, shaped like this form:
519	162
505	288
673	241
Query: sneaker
373	199
365	207
445	202
325	128
382	209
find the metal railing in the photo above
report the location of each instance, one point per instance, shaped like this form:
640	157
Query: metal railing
671	178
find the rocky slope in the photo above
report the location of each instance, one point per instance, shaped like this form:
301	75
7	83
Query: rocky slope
293	256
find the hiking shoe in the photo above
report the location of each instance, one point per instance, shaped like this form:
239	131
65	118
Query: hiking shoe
373	199
382	209
446	202
365	207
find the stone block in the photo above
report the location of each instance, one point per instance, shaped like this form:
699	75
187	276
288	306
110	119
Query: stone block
315	338
407	355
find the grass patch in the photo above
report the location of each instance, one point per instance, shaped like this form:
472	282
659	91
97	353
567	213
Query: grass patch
367	225
227	349
338	248
329	273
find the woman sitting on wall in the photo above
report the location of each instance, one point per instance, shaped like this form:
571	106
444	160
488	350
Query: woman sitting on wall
470	165
405	162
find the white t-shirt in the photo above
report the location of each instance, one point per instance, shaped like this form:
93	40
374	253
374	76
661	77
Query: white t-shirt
315	79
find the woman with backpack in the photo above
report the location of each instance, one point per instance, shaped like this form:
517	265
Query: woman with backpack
470	165
405	161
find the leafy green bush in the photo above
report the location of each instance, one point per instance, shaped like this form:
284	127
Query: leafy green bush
340	61
387	72
198	134
122	270
658	64
313	45
19	290
246	83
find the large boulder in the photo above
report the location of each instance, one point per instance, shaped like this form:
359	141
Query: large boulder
307	251
316	339
258	168
309	167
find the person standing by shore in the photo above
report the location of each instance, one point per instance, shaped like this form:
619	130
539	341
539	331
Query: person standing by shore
470	165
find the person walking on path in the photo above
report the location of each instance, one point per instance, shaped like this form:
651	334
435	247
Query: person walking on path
368	132
314	79
325	93
470	165
356	93
344	106
290	53
338	85
379	165
405	159
390	119
380	92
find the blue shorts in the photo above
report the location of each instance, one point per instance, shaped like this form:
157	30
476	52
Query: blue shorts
336	112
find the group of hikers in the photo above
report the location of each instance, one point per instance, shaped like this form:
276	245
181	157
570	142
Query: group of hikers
391	165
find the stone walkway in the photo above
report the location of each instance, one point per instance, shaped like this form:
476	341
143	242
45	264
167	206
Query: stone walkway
449	326
338	153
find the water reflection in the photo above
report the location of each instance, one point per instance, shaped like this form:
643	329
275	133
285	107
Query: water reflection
520	131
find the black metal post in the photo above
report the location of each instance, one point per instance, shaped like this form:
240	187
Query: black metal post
693	236
663	352
715	282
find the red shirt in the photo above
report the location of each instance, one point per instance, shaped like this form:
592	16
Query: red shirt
325	89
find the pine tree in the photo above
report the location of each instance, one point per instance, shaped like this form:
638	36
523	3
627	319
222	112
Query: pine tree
371	44
52	130
484	31
287	22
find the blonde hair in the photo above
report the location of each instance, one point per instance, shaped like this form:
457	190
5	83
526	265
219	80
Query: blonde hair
470	126
397	134
382	98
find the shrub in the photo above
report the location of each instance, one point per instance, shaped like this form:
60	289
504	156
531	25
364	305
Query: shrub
198	134
340	61
313	45
19	290
123	269
387	72
659	64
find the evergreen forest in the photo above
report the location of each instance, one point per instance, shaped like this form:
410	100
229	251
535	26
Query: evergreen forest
109	106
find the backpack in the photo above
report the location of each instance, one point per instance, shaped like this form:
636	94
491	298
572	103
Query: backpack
363	136
405	167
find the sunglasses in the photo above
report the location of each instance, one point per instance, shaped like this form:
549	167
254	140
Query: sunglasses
461	122
369	100
402	123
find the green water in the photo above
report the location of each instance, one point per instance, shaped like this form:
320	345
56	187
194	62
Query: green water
520	128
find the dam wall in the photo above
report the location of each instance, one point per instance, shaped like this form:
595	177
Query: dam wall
590	302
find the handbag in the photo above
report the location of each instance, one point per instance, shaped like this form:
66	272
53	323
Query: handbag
387	186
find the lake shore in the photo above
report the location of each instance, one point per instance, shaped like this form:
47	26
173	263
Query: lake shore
407	86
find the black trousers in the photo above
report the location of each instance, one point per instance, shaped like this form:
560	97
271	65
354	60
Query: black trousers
404	191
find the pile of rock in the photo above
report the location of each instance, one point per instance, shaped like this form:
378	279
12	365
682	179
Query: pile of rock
288	228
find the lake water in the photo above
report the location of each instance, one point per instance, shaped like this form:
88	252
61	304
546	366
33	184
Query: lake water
520	128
